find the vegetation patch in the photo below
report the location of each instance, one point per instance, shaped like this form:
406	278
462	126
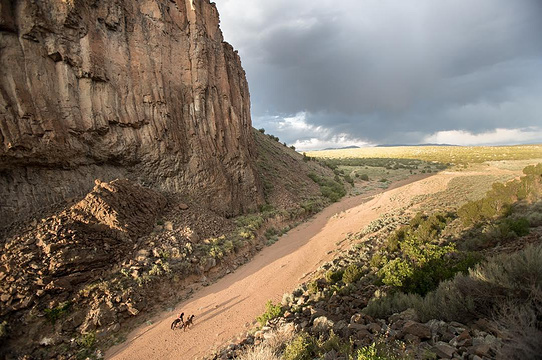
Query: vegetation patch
330	188
57	312
380	350
414	259
307	347
483	292
498	201
271	312
352	274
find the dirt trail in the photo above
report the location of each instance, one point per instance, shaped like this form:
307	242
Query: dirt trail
229	306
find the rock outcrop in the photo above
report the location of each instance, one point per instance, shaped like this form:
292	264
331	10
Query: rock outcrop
76	245
144	89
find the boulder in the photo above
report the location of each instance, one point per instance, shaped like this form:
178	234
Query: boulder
420	330
322	324
443	350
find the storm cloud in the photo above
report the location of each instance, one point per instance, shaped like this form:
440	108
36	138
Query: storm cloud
332	73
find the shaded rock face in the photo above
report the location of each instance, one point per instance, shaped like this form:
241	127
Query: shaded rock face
76	245
142	89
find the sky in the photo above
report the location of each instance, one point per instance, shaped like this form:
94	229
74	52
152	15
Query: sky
333	73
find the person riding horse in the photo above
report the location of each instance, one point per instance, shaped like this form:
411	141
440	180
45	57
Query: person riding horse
176	322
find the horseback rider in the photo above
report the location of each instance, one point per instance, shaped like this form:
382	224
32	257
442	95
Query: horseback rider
178	321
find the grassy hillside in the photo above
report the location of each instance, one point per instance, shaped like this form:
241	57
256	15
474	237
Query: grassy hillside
284	173
292	182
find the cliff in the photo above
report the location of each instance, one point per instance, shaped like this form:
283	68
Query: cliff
144	89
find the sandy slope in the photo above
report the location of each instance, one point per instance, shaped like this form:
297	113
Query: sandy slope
229	306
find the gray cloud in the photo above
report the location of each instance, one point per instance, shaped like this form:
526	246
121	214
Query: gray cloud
385	71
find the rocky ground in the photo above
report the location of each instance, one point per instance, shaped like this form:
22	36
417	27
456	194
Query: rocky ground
325	312
321	312
402	332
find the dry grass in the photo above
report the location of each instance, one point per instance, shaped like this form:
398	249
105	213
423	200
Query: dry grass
261	352
461	190
523	329
443	154
272	347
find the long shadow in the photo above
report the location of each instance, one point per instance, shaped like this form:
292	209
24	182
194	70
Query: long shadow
218	306
219	310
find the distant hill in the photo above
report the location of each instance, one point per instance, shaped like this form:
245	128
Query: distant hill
344	148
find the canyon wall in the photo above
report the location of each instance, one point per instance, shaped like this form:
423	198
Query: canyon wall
142	89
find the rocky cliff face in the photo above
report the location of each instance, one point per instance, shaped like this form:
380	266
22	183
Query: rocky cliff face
141	89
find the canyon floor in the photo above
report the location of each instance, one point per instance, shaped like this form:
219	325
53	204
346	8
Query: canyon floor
229	306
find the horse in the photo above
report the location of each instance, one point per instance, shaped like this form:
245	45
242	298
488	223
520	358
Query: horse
189	322
176	322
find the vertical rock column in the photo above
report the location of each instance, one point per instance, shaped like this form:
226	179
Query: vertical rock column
146	89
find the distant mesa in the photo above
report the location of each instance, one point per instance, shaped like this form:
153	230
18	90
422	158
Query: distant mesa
344	148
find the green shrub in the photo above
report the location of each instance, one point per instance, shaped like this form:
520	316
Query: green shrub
331	193
495	233
497	201
504	230
381	350
273	239
331	189
427	277
250	222
395	272
393	303
364	177
156	270
311	206
266	207
271	312
334	342
87	341
314	177
302	347
312	287
504	279
376	260
3	329
333	277
393	241
352	274
420	262
270	232
519	226
56	313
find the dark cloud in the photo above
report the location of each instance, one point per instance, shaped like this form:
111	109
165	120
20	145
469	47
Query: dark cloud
387	71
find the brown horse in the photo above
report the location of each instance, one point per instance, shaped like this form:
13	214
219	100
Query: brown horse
189	322
176	322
